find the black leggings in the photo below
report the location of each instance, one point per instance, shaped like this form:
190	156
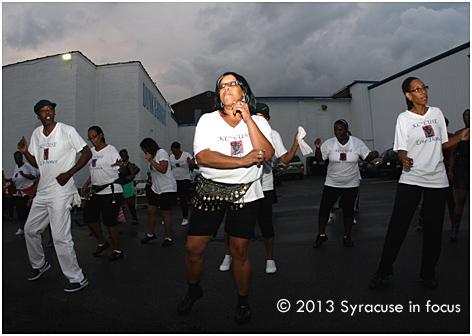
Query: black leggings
406	203
331	195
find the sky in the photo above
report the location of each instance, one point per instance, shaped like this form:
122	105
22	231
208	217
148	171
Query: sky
282	49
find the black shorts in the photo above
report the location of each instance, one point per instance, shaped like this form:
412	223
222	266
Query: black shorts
162	201
239	223
102	204
265	214
330	196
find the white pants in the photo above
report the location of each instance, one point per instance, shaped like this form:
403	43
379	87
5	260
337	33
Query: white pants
55	210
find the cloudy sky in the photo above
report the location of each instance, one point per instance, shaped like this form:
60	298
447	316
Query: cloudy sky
282	49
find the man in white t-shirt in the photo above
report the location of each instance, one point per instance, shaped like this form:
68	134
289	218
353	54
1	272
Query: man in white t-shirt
53	148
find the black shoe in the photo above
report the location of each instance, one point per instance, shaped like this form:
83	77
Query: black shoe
377	281
347	241
454	233
185	306
100	249
243	314
320	240
147	239
430	283
39	271
134	222
166	242
116	255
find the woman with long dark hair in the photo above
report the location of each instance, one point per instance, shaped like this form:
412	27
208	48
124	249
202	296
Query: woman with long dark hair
162	192
105	196
420	136
229	146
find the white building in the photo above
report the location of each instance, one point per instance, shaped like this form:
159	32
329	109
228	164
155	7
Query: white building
123	100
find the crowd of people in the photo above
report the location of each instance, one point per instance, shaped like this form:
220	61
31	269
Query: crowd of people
233	148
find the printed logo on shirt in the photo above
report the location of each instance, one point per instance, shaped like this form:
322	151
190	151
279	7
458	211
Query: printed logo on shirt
16	175
94	163
46	154
237	148
177	164
428	131
342	156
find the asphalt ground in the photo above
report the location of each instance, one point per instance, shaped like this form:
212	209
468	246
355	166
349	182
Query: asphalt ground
140	293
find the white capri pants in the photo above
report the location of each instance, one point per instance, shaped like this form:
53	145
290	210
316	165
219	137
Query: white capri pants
55	210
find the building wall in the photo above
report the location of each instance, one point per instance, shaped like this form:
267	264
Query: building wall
449	82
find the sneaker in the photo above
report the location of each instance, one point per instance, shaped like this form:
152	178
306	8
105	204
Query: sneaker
147	239
116	255
100	249
243	314
377	281
226	264
354	221
332	216
37	272
20	232
134	222
186	305
347	241
270	267
162	222
320	240
76	286
184	222
167	242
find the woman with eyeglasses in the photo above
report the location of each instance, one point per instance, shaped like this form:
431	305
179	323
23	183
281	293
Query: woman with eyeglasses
229	146
420	136
105	196
459	170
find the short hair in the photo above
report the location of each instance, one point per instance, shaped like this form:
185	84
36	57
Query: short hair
99	131
248	95
17	152
123	150
150	146
175	145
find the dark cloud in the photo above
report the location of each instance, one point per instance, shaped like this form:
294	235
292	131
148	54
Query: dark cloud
283	49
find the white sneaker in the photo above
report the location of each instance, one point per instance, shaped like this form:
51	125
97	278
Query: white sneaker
332	216
354	221
226	264
184	222
162	222
270	267
19	232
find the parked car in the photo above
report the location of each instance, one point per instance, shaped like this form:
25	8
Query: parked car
387	164
277	173
294	168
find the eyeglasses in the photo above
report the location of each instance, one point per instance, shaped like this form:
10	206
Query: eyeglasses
417	90
92	137
232	83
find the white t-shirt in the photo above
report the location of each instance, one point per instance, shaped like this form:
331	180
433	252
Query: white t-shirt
422	138
343	168
101	169
55	154
180	167
22	182
162	183
267	176
213	133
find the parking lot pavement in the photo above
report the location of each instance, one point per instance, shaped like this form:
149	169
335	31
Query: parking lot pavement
327	288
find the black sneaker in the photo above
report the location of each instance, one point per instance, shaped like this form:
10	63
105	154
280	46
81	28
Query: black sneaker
430	283
147	239
347	241
134	222
100	249
320	240
166	242
377	281
116	255
243	314
37	272
76	286
185	306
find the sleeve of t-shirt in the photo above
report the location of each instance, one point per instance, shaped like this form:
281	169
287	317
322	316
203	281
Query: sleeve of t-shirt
401	136
201	137
161	155
325	150
115	156
33	146
444	134
364	151
76	140
30	169
264	127
278	144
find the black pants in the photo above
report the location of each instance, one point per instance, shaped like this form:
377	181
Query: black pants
406	202
183	188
